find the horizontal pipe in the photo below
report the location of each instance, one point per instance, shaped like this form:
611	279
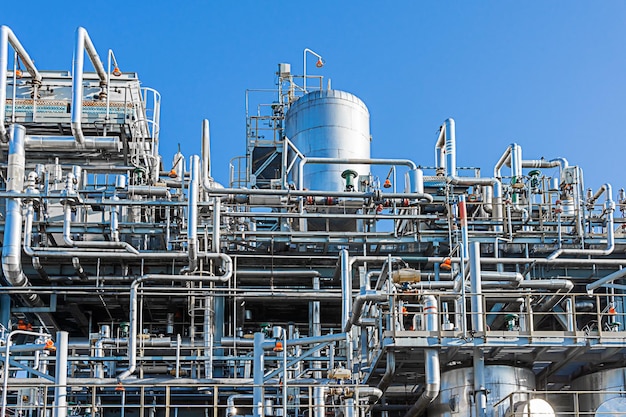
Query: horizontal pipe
133	311
607	279
314	193
93	244
269	343
43	143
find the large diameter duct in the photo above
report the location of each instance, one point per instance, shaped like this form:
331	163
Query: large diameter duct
329	124
457	388
12	244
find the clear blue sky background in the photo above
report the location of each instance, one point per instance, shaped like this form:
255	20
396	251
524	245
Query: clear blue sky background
549	75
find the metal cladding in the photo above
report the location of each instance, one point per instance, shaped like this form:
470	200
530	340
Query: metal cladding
329	124
320	282
602	391
508	386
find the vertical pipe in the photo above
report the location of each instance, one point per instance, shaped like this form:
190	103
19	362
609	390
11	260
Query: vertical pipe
346	287
192	214
83	42
284	334
460	280
346	301
12	244
450	147
115	234
319	401
476	288
569	311
433	372
480	391
5	310
516	162
478	327
217	221
497	214
4	62
349	408
208	337
206	151
316	327
60	380
77	86
416	181
8	37
257	394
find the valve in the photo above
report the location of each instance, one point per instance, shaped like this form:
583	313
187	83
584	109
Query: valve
349	175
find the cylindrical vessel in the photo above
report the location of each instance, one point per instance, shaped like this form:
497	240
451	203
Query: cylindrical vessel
501	381
605	389
329	124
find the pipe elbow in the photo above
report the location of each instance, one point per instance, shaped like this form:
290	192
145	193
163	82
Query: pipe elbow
77	131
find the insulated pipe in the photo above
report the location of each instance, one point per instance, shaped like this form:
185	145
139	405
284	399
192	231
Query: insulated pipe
319	401
355	161
516	161
11	246
94	244
450	147
68	143
207	180
445	148
609	207
192	214
390	372
506	156
114	222
133	313
60	377
257	374
373	394
217	224
8	37
230	403
301	341
542	163
357	308
476	288
607	279
497	213
549	284
301	273
54	252
83	42
245	192
346	300
433	373
346	288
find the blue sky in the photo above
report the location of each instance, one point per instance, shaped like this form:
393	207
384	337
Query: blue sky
549	75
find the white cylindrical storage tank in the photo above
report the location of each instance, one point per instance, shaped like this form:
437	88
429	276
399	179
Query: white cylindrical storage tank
606	398
457	387
329	124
